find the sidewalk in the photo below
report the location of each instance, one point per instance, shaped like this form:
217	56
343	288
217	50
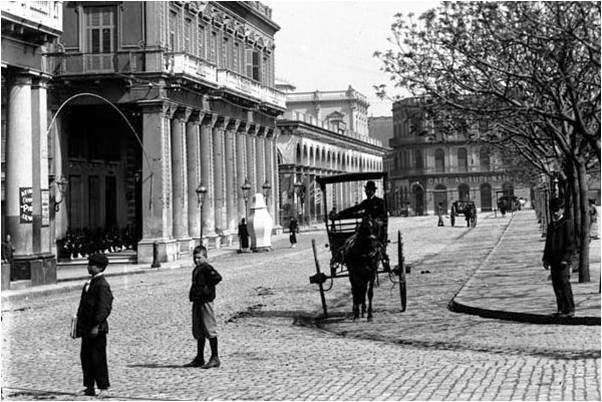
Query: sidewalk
511	283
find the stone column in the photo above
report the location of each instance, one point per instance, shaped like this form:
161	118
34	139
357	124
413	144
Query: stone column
193	161
180	180
260	161
207	174
218	176
19	170
157	218
251	160
276	185
269	169
231	178
241	164
41	201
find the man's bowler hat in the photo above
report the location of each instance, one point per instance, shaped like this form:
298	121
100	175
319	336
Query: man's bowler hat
556	204
370	185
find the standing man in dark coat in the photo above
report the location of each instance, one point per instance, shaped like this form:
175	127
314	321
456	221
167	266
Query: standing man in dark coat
94	309
243	234
557	254
440	214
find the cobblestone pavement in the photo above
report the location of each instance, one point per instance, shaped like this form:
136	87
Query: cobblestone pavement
271	348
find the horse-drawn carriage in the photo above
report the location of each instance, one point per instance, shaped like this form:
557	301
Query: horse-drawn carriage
358	245
466	208
507	202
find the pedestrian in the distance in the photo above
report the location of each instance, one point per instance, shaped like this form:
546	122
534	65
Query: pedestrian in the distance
593	220
440	214
94	308
468	215
293	228
202	294
557	254
243	235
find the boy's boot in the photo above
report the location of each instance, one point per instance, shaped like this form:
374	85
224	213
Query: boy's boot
199	360
214	359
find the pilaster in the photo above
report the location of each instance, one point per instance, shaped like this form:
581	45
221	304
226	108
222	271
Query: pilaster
207	174
193	161
231	181
241	164
251	159
219	174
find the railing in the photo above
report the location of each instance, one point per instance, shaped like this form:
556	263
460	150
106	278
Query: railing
45	13
184	63
84	63
274	97
243	85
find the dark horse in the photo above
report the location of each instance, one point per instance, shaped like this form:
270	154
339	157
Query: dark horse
361	253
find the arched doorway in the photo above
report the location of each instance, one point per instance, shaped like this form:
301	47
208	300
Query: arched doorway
486	201
463	192
418	199
440	196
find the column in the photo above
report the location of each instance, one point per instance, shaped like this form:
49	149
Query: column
193	162
19	172
276	185
251	168
157	218
207	173
218	175
231	176
260	161
241	164
307	200
269	170
180	180
41	201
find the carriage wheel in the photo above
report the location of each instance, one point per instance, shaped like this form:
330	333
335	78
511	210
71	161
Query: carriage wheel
402	273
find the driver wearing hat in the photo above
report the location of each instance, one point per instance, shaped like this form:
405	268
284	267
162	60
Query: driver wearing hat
372	206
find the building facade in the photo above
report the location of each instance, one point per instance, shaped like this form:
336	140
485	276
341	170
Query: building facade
28	28
426	169
151	101
381	128
323	133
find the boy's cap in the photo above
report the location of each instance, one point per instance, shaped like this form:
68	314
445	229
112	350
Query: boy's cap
99	260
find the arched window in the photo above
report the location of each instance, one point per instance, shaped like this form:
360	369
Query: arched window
484	159
439	160
462	160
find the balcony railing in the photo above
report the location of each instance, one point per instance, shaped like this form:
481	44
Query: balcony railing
47	14
184	63
245	86
87	63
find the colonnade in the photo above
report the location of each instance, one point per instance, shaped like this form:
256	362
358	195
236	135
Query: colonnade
188	147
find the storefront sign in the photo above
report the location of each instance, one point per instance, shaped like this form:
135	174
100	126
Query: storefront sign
45	208
466	179
26	204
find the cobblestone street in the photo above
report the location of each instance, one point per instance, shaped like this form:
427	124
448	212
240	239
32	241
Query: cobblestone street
272	348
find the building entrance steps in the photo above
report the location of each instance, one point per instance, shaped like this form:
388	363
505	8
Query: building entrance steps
512	284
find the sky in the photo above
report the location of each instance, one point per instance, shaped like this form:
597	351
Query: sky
329	45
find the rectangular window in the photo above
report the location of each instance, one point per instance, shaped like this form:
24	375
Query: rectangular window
249	63
187	35
265	71
201	42
100	38
236	58
256	66
173	22
212	47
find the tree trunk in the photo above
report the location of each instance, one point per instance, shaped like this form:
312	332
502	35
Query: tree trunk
584	215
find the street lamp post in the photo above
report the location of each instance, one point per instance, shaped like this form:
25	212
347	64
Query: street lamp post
299	187
246	191
200	193
61	185
266	190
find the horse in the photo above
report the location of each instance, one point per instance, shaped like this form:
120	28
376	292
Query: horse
361	253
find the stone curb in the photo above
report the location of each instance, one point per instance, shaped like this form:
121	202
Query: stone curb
521	317
532	318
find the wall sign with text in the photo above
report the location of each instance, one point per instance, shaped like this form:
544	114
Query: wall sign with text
25	204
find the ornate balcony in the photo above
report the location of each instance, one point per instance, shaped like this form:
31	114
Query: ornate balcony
191	66
244	86
89	63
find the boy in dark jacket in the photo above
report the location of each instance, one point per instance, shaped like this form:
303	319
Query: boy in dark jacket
557	254
94	309
202	294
